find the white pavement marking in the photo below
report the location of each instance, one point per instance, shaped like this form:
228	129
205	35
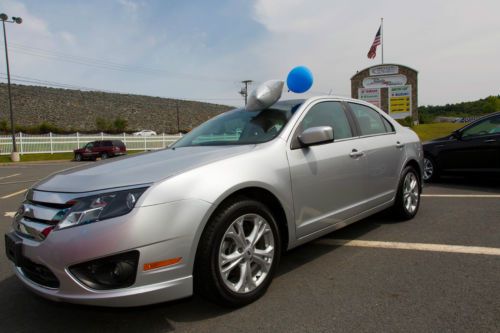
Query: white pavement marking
492	251
9	214
16	174
13	194
461	195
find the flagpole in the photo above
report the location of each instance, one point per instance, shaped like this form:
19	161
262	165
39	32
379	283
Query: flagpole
382	37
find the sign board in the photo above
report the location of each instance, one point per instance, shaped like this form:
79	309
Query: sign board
384	81
400	101
370	95
384	70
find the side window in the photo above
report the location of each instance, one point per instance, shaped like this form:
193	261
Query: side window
107	144
369	120
388	126
328	114
486	127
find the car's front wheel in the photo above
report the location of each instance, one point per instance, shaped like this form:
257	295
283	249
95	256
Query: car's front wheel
238	253
430	169
104	156
78	157
408	195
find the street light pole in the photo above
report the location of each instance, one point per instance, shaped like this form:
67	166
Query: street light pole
18	20
244	90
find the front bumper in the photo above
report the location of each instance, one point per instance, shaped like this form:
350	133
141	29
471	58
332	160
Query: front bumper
158	232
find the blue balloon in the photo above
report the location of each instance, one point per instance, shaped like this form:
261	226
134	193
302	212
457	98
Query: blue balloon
300	79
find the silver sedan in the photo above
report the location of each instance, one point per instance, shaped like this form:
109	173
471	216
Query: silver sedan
213	213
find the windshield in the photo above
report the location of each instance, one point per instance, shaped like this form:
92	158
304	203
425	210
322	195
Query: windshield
240	127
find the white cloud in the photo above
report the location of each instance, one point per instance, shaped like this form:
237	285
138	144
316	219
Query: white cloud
453	45
129	5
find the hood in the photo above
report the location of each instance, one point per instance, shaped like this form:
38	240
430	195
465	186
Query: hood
133	170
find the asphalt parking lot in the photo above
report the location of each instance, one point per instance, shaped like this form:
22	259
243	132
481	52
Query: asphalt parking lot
439	272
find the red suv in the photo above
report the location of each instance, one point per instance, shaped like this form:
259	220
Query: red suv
102	149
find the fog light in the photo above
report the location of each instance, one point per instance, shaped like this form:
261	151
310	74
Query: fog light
111	272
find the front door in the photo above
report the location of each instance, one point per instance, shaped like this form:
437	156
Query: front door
326	186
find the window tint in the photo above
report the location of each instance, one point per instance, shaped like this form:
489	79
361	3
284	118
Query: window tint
107	143
97	144
388	125
486	127
369	120
118	143
328	114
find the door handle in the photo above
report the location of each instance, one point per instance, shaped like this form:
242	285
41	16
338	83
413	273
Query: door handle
399	145
490	140
355	153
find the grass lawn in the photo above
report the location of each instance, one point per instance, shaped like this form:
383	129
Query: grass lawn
49	157
428	132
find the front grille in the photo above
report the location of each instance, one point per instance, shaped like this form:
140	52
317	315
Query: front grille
39	274
33	218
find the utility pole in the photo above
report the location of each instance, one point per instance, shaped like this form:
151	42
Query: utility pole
177	109
4	18
244	90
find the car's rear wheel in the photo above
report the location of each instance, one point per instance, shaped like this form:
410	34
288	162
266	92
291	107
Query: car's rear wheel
430	169
408	195
78	157
238	253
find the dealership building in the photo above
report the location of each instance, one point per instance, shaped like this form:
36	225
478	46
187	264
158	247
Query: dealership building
391	87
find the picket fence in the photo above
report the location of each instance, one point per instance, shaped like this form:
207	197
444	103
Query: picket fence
62	143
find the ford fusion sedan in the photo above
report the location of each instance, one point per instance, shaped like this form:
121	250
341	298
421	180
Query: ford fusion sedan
212	214
473	149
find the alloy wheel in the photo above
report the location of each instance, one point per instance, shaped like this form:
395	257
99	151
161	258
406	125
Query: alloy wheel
428	169
410	192
246	253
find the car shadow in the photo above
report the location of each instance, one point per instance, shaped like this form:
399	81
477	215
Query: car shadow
475	183
24	311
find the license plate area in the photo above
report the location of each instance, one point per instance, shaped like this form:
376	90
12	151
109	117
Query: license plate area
14	248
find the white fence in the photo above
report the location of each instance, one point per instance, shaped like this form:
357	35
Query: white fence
59	143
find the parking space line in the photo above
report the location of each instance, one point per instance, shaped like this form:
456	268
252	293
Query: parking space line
492	251
9	214
13	194
461	195
4	177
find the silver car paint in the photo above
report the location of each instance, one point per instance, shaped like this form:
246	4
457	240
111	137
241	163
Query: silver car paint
320	189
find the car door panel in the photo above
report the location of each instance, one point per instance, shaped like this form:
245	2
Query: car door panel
325	182
325	185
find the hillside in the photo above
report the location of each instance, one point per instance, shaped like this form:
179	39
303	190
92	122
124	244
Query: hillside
465	109
74	110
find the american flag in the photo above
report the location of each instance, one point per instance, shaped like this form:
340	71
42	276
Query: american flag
376	42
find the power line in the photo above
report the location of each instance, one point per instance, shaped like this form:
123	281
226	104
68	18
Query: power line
25	79
108	65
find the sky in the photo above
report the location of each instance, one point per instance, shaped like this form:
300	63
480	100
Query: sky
202	49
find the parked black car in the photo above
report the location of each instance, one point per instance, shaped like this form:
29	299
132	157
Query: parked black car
474	148
102	149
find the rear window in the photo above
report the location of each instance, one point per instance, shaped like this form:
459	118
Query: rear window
118	143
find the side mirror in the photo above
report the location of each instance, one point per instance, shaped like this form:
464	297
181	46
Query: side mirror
316	135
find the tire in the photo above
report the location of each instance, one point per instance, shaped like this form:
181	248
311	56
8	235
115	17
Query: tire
408	195
104	156
430	169
78	157
222	239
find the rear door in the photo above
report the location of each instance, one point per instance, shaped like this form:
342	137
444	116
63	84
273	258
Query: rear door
383	155
326	183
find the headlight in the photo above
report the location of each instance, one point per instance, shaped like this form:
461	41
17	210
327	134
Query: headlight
99	207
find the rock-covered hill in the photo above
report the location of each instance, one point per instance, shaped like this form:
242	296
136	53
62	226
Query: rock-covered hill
79	110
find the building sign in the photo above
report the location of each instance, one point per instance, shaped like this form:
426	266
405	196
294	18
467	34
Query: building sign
384	70
384	81
370	95
400	101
